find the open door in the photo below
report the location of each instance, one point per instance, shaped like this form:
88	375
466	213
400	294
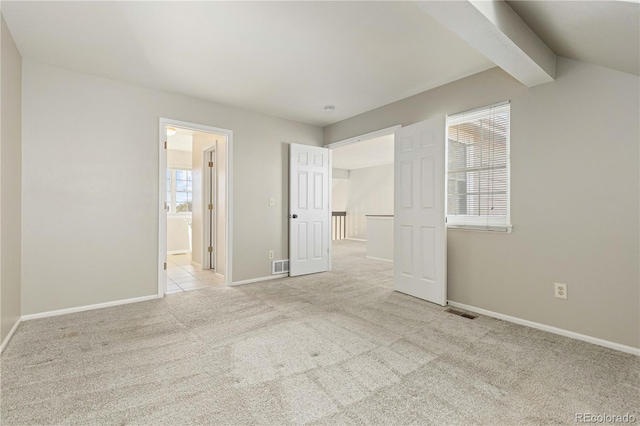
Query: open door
420	255
210	216
309	215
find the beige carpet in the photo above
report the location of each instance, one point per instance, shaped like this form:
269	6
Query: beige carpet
333	348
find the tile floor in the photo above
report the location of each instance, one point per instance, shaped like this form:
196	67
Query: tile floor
183	276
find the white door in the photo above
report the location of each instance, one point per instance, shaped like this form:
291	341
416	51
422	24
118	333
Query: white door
420	259
309	215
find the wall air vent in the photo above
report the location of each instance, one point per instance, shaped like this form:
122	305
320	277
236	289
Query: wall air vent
280	267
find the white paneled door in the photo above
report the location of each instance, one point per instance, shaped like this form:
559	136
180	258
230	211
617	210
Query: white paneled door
420	256
309	215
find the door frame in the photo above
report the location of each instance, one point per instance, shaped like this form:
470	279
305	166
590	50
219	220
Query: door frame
162	214
364	137
209	181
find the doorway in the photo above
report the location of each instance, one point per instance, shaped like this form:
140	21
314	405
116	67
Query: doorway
195	204
411	232
363	200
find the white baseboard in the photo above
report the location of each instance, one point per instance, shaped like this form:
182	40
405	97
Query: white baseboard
6	340
219	275
88	307
550	329
179	252
379	258
257	280
196	264
356	239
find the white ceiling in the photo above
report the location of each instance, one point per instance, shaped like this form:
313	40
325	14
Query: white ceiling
287	59
369	153
605	33
290	59
181	141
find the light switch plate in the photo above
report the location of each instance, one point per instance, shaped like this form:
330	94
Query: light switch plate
272	201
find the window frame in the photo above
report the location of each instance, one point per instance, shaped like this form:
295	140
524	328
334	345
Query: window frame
172	189
498	224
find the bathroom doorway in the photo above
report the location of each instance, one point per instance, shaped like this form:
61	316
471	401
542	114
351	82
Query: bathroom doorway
194	230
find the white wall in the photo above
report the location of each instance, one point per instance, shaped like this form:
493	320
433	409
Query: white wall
339	190
178	227
370	191
575	198
179	158
10	181
339	195
178	235
75	129
340	173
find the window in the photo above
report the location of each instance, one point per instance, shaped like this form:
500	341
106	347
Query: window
179	190
478	169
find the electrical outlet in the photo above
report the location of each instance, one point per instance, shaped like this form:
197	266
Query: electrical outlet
271	255
561	290
272	201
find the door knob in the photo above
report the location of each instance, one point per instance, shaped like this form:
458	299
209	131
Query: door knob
295	216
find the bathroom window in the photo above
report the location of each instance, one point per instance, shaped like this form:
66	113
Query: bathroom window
179	190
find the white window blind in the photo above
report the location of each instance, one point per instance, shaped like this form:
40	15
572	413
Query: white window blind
478	169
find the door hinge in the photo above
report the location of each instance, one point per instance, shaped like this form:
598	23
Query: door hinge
211	164
210	249
165	144
165	266
210	206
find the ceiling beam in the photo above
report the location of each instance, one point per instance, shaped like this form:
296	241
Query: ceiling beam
496	31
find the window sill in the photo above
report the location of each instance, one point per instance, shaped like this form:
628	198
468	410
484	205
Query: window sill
494	229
